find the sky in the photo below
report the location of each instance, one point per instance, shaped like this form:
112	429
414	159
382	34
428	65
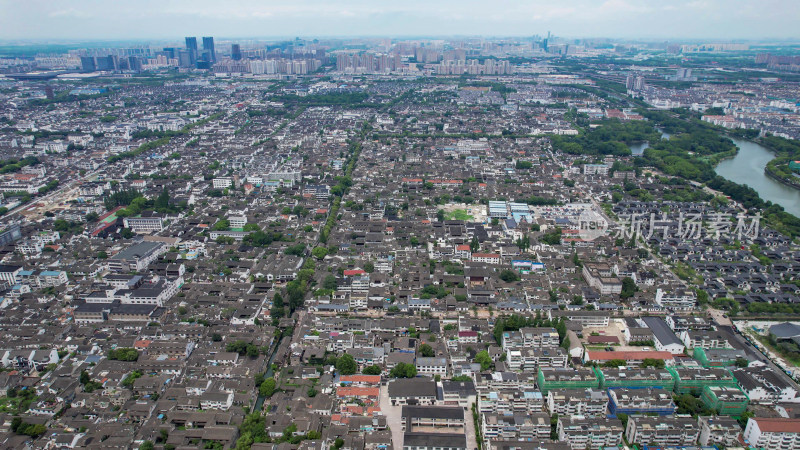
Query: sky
173	19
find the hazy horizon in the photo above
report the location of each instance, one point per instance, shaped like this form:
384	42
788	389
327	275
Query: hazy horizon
648	20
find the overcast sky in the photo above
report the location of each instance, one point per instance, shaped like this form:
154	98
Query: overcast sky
172	19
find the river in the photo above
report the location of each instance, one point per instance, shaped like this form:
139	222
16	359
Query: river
747	167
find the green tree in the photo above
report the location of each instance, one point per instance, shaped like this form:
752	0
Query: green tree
161	202
329	282
509	276
124	354
131	378
628	288
222	225
319	252
652	362
369	267
614	363
741	362
403	370
346	365
372	370
483	358
267	387
474	245
251	227
252	430
426	350
624	419
524	243
551	237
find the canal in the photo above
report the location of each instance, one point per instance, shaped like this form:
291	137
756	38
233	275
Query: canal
747	167
270	373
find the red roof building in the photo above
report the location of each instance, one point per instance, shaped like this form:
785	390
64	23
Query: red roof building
358	392
361	379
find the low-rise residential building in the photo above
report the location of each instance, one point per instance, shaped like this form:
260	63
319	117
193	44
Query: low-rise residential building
592	433
720	431
530	359
666	431
763	385
578	402
772	433
676	300
652	401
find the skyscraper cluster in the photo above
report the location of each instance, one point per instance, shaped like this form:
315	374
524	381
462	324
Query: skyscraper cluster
191	56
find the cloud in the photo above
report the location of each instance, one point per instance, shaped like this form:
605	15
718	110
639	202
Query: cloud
157	19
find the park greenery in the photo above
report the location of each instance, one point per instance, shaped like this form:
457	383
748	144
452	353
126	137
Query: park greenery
786	150
691	153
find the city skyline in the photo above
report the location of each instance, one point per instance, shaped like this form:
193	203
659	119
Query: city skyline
614	19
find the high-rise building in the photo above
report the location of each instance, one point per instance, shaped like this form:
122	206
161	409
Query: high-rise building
208	49
638	84
170	52
87	64
191	43
110	62
135	63
236	52
185	58
191	48
634	83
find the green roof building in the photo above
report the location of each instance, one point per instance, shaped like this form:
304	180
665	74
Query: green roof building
566	379
725	400
718	357
688	380
621	377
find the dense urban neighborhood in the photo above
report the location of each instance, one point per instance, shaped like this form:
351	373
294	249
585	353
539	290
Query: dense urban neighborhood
382	244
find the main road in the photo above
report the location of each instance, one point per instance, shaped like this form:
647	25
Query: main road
740	342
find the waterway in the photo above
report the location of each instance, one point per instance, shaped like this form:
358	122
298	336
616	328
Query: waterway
637	149
747	167
270	373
